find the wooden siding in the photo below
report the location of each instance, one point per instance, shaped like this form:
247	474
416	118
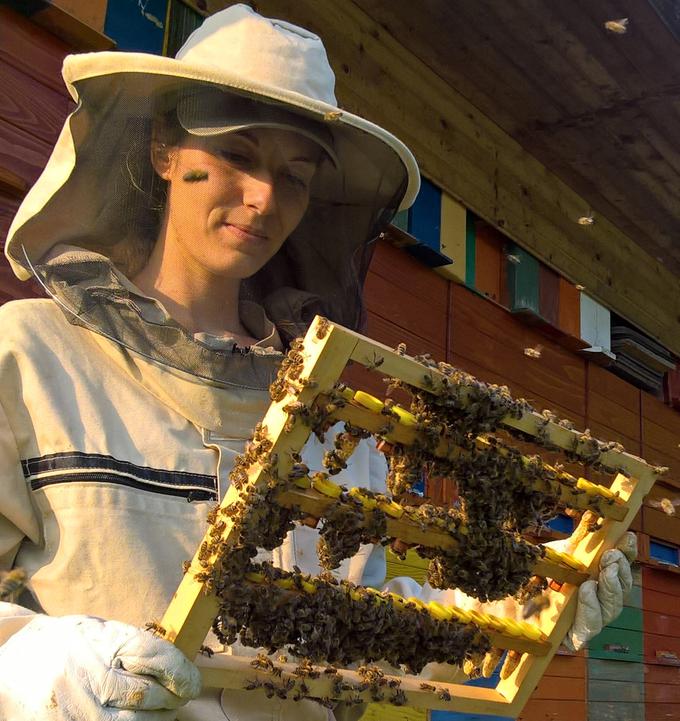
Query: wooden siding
33	106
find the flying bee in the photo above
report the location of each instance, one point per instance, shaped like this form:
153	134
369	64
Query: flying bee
618	27
515	259
534	352
535	605
665	504
580	287
586	220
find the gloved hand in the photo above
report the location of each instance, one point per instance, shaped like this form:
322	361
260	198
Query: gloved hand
80	668
601	601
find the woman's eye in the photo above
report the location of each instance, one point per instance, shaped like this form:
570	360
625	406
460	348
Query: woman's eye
296	180
232	156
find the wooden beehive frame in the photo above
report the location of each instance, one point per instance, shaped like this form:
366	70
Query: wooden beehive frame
326	351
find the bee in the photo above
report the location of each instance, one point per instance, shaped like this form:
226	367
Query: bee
11	584
534	352
195	176
401	349
427	687
154	627
580	287
665	504
206	651
515	259
251	684
282	658
375	363
586	220
332	115
322	328
444	695
330	669
261	661
186	565
618	27
398	698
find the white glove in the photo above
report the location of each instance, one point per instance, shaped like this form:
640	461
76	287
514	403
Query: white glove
601	601
80	668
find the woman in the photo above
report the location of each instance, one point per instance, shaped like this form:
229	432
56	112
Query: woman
195	215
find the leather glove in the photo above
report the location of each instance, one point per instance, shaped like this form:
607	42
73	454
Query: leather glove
81	668
601	601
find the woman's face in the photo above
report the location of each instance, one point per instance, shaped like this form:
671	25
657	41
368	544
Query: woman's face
233	199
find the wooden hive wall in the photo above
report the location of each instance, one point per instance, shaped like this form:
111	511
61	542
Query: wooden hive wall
33	106
617	677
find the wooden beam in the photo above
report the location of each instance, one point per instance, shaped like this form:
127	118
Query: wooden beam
480	165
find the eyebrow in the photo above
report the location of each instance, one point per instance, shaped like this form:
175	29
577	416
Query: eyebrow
297	159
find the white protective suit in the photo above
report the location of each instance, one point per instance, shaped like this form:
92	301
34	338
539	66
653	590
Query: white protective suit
100	452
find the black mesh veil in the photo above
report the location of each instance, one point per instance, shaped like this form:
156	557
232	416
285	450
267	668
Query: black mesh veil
90	227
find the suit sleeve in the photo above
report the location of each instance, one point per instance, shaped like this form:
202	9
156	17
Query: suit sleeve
17	521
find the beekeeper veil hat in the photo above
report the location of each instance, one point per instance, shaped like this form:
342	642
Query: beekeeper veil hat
99	192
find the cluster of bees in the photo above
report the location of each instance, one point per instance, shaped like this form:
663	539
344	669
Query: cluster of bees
325	620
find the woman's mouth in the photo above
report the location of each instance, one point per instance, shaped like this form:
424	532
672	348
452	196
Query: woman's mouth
246	232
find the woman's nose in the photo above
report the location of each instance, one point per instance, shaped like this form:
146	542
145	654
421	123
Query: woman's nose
259	192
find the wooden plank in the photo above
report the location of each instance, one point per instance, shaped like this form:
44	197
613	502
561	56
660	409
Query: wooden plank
453	238
488	261
549	295
659	648
607	384
599	711
617	644
540	710
424	217
92	13
618	692
413	566
523	282
659	525
569	318
562	689
662	711
656	602
386	712
661	582
662	675
398	267
605	408
22	153
605	670
661	624
662	693
30	105
46	51
225	671
413	313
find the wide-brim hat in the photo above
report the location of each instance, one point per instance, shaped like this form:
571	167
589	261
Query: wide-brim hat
82	196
